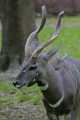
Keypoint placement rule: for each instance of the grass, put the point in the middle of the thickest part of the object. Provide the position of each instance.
(69, 40)
(9, 95)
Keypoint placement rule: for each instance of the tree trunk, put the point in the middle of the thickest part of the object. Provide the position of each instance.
(17, 23)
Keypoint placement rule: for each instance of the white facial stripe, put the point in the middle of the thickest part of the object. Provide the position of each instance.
(34, 80)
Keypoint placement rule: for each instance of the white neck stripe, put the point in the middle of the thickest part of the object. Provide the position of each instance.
(57, 104)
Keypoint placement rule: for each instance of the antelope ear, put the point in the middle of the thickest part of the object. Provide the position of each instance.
(43, 57)
(51, 53)
(47, 56)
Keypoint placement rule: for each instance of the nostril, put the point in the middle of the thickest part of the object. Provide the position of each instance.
(17, 84)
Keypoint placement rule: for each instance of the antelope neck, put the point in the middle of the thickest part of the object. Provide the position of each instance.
(58, 103)
(43, 86)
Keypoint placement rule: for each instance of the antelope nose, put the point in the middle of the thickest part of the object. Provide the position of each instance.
(16, 83)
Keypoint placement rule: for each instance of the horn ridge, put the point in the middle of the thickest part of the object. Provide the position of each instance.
(54, 36)
(58, 23)
(44, 14)
(34, 33)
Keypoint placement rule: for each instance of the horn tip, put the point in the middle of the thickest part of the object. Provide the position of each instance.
(61, 13)
(44, 11)
(43, 6)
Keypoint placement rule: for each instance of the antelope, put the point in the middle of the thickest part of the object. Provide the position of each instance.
(59, 84)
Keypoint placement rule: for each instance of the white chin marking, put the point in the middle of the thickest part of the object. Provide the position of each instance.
(34, 80)
(45, 87)
(18, 86)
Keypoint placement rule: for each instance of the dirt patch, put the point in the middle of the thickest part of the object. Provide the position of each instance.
(23, 111)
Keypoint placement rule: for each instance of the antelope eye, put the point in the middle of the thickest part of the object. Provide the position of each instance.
(24, 70)
(33, 67)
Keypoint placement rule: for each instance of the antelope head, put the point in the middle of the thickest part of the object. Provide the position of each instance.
(35, 68)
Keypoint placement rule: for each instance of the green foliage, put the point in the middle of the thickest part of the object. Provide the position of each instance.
(9, 95)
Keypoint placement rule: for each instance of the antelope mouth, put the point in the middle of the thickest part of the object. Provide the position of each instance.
(17, 85)
(28, 83)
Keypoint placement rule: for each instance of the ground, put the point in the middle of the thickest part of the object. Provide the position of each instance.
(23, 111)
(26, 104)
